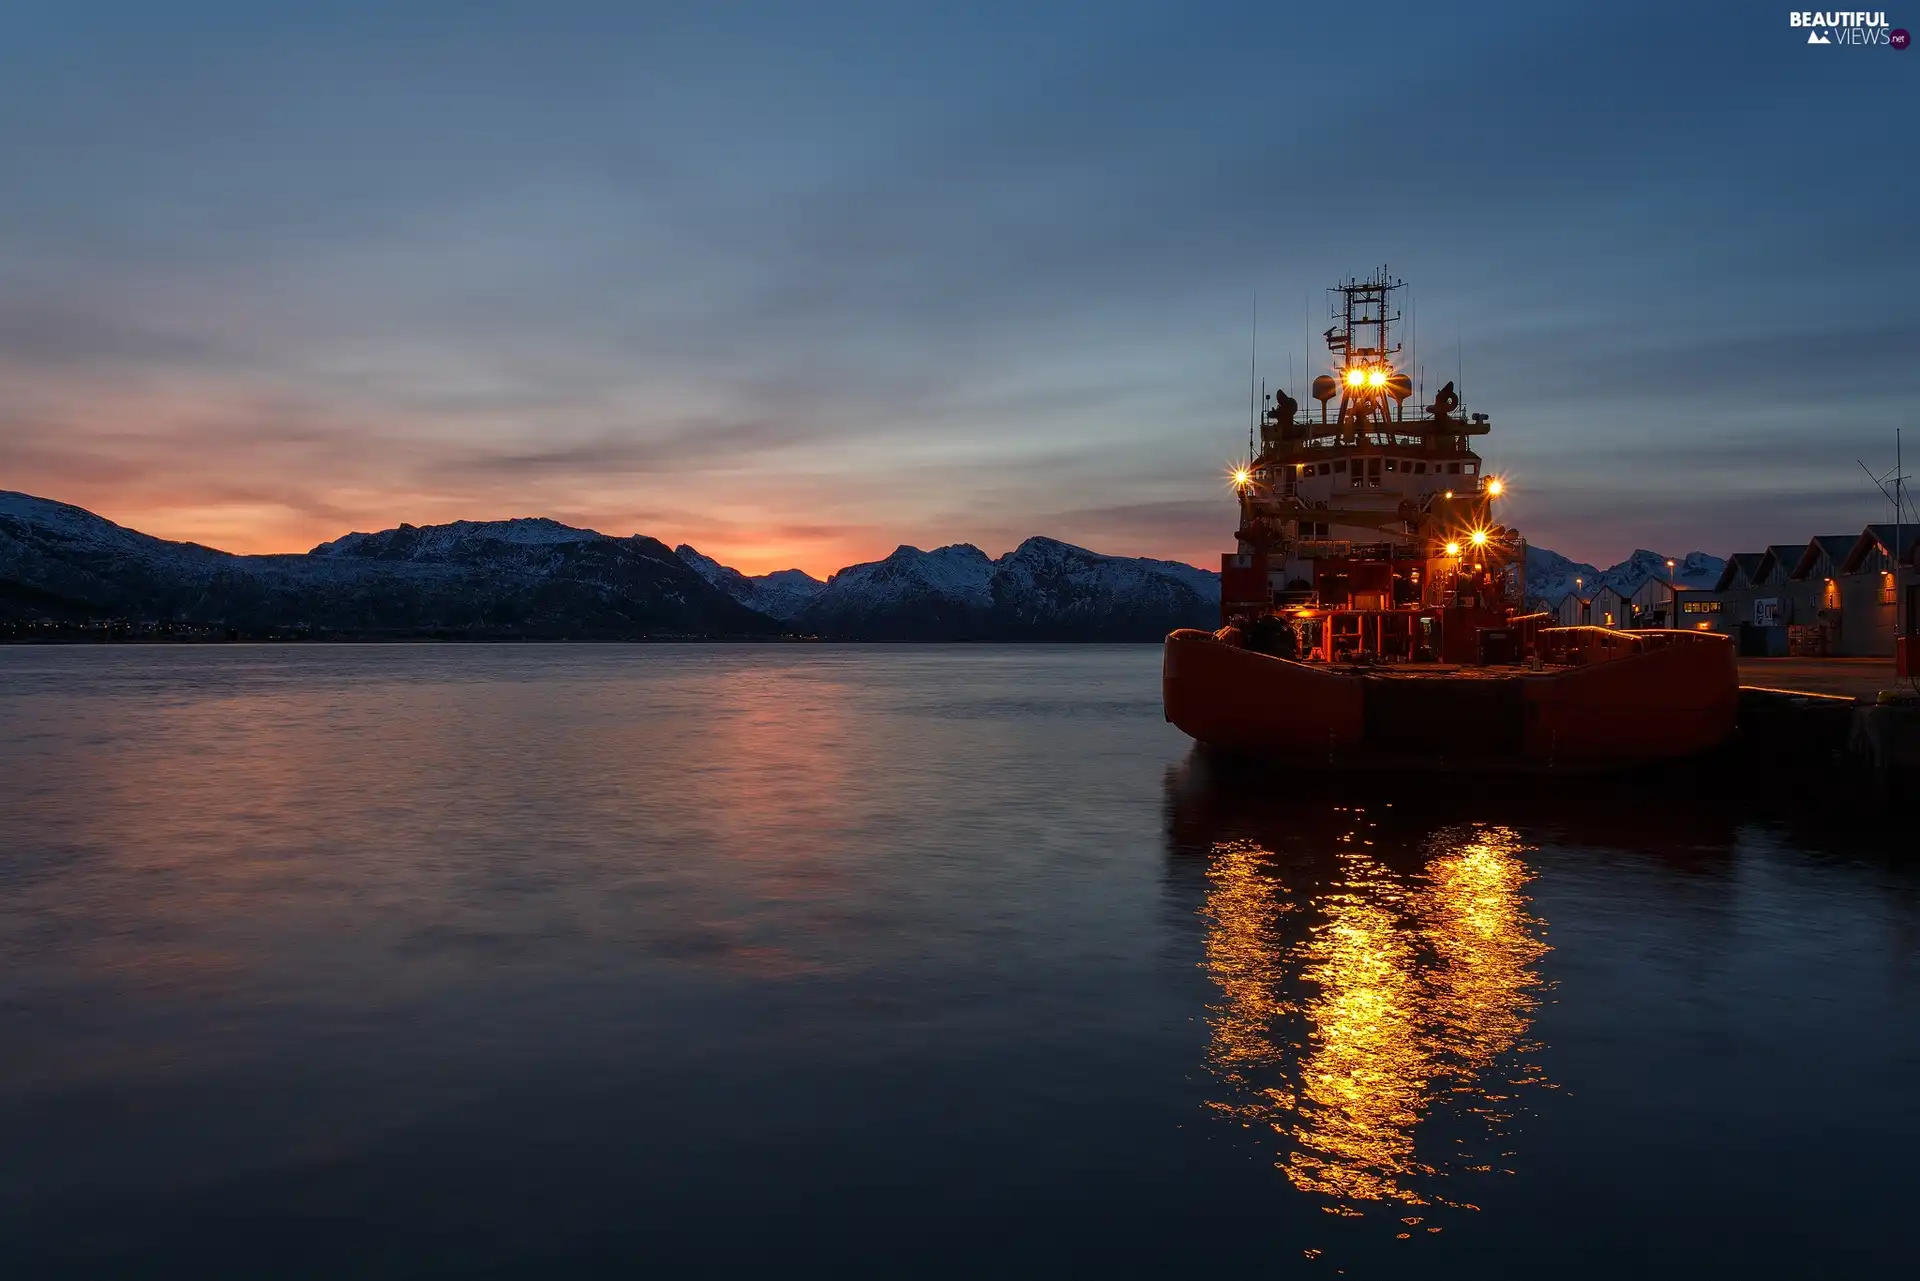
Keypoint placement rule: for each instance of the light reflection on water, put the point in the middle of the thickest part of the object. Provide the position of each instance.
(609, 960)
(1353, 1008)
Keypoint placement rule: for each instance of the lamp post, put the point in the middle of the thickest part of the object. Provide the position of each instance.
(1673, 599)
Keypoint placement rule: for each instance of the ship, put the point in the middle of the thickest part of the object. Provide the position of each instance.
(1373, 608)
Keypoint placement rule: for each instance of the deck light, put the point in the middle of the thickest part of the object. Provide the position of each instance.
(1242, 477)
(1479, 538)
(1378, 378)
(1453, 549)
(1355, 377)
(1496, 487)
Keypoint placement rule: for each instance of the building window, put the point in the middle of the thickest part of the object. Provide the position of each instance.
(1699, 606)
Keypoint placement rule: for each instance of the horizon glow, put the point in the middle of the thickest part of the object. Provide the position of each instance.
(799, 288)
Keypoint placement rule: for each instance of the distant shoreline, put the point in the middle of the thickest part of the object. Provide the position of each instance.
(426, 639)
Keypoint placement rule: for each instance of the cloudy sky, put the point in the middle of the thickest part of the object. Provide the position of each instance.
(800, 282)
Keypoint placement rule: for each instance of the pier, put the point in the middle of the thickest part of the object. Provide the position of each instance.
(1850, 716)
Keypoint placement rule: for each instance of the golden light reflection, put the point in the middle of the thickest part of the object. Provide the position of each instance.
(1363, 1079)
(1354, 1014)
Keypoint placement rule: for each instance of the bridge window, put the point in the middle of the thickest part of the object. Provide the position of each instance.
(1419, 469)
(1453, 469)
(1339, 464)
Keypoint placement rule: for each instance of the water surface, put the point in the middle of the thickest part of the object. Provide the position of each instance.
(548, 960)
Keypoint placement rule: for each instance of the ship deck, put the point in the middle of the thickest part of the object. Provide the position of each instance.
(1435, 671)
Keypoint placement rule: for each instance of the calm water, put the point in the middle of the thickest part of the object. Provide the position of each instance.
(391, 961)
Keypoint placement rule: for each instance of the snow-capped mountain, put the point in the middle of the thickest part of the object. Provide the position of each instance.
(463, 539)
(1550, 576)
(781, 594)
(518, 577)
(1042, 590)
(537, 577)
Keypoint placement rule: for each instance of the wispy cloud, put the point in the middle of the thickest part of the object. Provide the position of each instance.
(799, 286)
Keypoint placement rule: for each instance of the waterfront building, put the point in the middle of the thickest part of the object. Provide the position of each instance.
(1610, 608)
(1574, 610)
(1867, 592)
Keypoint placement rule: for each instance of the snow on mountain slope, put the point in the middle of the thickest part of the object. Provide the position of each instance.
(458, 539)
(63, 522)
(1550, 576)
(1043, 590)
(960, 573)
(521, 577)
(1038, 555)
(781, 594)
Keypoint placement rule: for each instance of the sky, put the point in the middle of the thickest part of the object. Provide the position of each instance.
(799, 283)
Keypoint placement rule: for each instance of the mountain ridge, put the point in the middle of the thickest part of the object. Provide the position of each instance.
(538, 576)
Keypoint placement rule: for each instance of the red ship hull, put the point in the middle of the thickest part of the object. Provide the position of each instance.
(1604, 699)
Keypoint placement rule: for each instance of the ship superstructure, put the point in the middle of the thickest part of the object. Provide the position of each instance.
(1372, 609)
(1370, 530)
